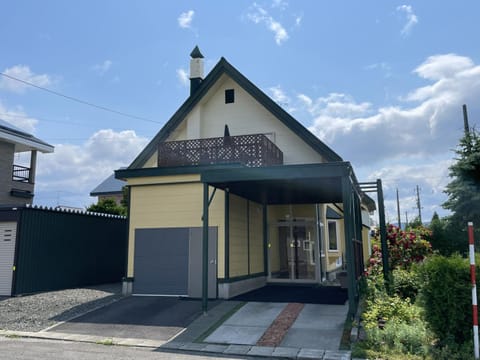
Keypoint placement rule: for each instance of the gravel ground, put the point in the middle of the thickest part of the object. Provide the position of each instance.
(39, 311)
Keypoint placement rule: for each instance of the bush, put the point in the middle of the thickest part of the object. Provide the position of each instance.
(400, 338)
(406, 283)
(391, 309)
(446, 298)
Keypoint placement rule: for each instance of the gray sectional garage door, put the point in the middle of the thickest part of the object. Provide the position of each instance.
(161, 261)
(168, 261)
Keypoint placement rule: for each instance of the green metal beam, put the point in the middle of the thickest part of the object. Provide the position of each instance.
(265, 239)
(227, 235)
(383, 234)
(348, 214)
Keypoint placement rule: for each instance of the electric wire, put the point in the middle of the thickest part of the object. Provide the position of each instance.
(71, 98)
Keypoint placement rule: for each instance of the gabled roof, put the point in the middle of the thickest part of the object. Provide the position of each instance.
(23, 141)
(109, 186)
(224, 67)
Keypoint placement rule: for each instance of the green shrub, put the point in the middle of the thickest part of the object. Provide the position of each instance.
(400, 338)
(446, 298)
(453, 351)
(391, 309)
(406, 284)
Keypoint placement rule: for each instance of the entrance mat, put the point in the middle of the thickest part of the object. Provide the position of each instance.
(331, 295)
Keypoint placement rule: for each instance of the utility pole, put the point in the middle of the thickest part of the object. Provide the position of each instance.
(398, 212)
(465, 120)
(419, 206)
(406, 220)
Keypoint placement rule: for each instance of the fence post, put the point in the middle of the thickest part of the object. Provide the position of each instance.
(474, 289)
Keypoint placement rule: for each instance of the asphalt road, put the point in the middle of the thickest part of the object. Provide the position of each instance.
(33, 349)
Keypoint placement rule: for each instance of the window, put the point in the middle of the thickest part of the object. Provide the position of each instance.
(229, 96)
(332, 235)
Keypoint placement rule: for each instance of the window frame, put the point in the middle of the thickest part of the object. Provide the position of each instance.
(335, 222)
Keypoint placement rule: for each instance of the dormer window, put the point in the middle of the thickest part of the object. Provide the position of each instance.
(229, 96)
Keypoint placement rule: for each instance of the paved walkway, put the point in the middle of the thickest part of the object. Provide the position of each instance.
(315, 334)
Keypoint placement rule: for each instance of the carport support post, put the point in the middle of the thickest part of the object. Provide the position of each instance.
(383, 234)
(205, 250)
(349, 234)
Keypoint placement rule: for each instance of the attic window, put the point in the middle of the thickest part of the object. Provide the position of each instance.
(229, 96)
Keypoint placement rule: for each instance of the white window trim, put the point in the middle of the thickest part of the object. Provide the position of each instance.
(337, 249)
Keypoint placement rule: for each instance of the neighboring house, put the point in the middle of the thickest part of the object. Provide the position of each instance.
(17, 182)
(110, 188)
(234, 193)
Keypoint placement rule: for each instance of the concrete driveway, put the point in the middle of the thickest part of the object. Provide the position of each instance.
(151, 318)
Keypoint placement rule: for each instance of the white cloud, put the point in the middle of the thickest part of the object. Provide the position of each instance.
(410, 141)
(24, 73)
(411, 18)
(72, 171)
(182, 76)
(260, 15)
(185, 19)
(18, 118)
(102, 68)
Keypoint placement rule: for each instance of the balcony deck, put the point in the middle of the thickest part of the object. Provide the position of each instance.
(250, 150)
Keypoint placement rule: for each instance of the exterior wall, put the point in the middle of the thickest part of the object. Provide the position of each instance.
(157, 202)
(238, 243)
(7, 152)
(244, 116)
(334, 258)
(255, 238)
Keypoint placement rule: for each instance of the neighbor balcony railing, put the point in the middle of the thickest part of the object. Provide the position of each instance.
(250, 150)
(21, 173)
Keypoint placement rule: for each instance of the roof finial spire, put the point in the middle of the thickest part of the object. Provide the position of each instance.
(196, 54)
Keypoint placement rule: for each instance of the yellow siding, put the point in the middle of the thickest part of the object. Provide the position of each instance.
(152, 162)
(238, 236)
(256, 238)
(174, 205)
(171, 179)
(275, 213)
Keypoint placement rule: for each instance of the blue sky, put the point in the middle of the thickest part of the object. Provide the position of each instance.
(381, 82)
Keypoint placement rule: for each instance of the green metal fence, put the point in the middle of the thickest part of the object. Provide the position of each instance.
(58, 249)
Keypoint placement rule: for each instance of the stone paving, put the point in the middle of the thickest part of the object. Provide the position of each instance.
(193, 338)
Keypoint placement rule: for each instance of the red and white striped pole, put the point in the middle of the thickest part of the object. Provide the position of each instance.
(474, 290)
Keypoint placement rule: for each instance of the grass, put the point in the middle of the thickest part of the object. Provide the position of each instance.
(105, 342)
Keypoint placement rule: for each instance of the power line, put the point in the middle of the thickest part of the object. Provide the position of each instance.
(100, 107)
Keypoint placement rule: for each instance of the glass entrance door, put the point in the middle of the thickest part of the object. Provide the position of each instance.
(296, 251)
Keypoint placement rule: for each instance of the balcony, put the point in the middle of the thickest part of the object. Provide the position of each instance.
(250, 150)
(21, 173)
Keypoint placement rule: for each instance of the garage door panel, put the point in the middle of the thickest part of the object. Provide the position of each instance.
(161, 261)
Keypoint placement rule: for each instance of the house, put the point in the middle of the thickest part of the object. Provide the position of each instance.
(110, 188)
(233, 193)
(17, 181)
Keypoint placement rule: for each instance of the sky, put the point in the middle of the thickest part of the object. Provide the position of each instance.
(381, 82)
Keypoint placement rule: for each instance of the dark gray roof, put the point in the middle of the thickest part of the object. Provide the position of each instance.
(109, 186)
(23, 140)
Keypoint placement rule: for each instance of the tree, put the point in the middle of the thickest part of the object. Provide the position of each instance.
(107, 206)
(464, 190)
